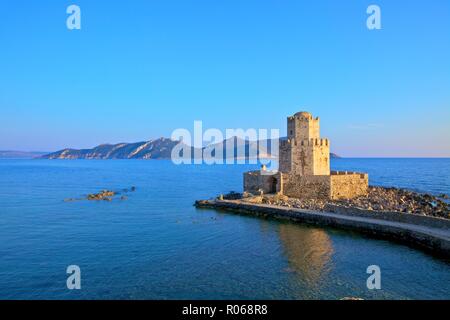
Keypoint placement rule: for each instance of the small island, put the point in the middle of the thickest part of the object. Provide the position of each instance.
(304, 189)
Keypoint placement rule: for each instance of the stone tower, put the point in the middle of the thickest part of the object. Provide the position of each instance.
(304, 153)
(304, 170)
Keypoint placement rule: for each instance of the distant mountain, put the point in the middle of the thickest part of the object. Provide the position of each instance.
(154, 149)
(20, 154)
(334, 156)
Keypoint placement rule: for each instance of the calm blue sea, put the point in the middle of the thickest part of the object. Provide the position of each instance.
(156, 245)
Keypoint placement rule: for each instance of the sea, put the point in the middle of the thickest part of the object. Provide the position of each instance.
(154, 244)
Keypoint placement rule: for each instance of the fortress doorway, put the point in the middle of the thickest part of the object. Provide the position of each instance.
(273, 185)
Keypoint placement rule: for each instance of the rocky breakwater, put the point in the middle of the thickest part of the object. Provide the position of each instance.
(379, 199)
(404, 216)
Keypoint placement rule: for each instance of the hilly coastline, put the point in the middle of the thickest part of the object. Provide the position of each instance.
(153, 149)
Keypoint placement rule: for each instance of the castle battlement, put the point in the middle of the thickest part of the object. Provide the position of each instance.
(304, 166)
(306, 142)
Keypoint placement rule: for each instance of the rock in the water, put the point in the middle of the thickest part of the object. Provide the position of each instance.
(102, 195)
(106, 195)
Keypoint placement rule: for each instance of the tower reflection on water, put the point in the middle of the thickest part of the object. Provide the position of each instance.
(308, 251)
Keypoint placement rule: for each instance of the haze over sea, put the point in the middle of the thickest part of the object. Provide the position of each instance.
(156, 245)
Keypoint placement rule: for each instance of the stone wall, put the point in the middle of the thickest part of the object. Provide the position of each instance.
(306, 187)
(305, 157)
(321, 156)
(254, 181)
(302, 158)
(410, 218)
(285, 156)
(347, 185)
(339, 185)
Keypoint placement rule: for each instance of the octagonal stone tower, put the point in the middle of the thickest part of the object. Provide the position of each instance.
(304, 153)
(304, 167)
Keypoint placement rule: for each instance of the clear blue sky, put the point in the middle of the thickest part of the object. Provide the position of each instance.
(137, 70)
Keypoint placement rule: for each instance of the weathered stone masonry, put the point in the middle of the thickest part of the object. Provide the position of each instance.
(304, 167)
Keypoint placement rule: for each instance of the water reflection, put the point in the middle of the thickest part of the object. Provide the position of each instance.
(308, 250)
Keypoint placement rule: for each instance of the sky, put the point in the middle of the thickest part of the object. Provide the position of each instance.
(138, 70)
